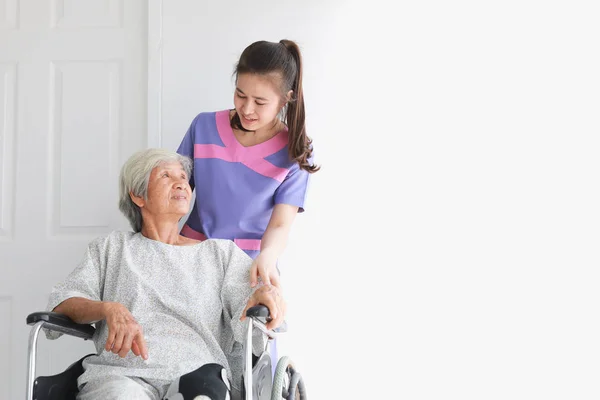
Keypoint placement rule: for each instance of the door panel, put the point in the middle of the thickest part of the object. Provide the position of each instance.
(72, 110)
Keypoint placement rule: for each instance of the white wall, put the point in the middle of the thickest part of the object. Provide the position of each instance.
(449, 247)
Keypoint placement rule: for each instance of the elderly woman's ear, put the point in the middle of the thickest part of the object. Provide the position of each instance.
(138, 201)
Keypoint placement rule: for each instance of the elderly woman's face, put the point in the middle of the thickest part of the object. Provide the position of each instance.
(168, 190)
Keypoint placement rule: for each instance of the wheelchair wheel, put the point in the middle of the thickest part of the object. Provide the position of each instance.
(288, 383)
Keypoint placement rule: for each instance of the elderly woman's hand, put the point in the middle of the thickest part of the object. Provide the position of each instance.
(124, 333)
(265, 268)
(269, 296)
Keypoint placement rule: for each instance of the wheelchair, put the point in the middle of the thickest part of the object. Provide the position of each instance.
(259, 381)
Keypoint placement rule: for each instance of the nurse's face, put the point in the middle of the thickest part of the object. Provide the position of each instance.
(258, 100)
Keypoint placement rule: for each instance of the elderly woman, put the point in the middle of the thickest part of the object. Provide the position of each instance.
(168, 309)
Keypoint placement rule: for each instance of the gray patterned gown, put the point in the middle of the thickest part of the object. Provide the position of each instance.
(188, 300)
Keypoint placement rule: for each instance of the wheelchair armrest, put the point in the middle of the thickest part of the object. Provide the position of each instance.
(61, 323)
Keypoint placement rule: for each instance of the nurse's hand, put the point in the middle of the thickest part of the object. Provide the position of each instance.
(265, 268)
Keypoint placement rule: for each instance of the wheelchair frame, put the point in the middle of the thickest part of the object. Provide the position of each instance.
(257, 317)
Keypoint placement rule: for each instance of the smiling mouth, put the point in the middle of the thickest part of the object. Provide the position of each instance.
(179, 197)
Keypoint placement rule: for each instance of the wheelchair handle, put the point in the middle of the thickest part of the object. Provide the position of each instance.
(258, 311)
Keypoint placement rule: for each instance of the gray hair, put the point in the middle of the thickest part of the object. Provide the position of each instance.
(135, 175)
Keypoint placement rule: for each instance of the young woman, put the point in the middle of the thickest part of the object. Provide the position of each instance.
(252, 163)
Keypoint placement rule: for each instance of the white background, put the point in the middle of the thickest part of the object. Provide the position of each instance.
(450, 243)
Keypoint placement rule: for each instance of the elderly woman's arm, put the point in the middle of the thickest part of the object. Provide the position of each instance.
(82, 310)
(124, 332)
(79, 297)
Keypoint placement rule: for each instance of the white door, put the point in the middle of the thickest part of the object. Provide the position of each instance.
(72, 109)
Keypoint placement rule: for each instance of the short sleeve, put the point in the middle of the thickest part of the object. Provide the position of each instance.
(294, 188)
(186, 148)
(85, 281)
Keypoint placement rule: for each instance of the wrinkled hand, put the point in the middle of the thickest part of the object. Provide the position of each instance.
(265, 267)
(269, 296)
(124, 333)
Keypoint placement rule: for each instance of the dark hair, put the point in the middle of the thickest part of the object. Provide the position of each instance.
(264, 58)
